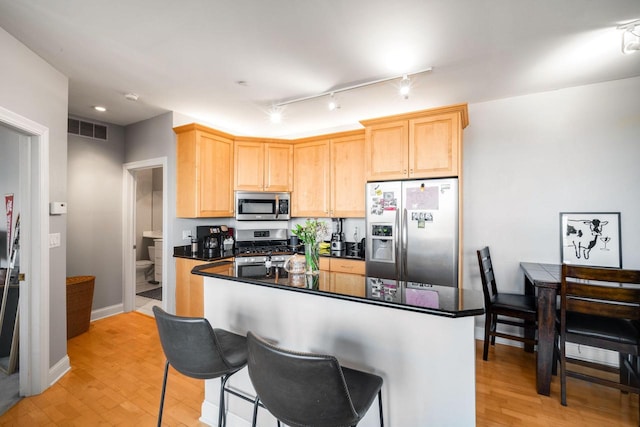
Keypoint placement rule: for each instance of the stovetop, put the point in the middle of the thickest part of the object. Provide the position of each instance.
(263, 248)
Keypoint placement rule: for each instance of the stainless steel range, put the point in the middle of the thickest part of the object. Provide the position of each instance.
(258, 250)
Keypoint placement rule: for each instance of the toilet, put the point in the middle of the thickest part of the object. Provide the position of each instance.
(144, 267)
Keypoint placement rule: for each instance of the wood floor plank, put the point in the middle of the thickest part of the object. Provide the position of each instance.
(116, 377)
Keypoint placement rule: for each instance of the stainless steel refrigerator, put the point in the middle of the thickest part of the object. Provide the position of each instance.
(412, 230)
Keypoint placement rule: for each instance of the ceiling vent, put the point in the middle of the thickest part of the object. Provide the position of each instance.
(87, 129)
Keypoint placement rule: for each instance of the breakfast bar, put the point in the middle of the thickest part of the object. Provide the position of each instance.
(418, 338)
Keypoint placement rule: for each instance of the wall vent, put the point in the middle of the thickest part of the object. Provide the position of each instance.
(87, 129)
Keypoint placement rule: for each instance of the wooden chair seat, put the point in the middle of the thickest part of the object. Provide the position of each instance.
(602, 328)
(514, 302)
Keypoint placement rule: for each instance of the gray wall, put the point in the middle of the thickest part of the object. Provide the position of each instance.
(94, 230)
(528, 158)
(33, 89)
(150, 139)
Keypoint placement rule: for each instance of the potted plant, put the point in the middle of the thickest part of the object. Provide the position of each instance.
(310, 234)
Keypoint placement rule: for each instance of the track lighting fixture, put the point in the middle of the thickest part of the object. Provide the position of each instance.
(333, 103)
(405, 87)
(630, 37)
(276, 110)
(275, 114)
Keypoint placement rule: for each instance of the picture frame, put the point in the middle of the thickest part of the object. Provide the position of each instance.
(591, 239)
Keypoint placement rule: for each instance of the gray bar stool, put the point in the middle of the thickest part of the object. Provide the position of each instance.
(197, 350)
(305, 389)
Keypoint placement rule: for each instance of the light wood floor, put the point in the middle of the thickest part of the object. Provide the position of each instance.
(116, 378)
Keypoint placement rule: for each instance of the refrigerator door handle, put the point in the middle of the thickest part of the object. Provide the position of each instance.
(396, 243)
(405, 239)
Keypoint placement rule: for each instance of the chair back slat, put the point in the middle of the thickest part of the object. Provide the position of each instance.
(601, 291)
(606, 309)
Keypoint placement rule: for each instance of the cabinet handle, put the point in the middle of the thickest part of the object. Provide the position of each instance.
(404, 171)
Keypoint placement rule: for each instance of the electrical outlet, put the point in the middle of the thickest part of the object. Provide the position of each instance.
(186, 234)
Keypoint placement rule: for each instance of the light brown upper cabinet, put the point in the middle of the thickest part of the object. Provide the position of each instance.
(204, 172)
(423, 144)
(347, 176)
(329, 176)
(263, 166)
(310, 195)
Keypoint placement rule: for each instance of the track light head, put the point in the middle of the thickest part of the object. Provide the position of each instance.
(405, 87)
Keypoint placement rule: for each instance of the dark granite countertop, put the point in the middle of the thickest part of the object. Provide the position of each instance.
(185, 252)
(431, 299)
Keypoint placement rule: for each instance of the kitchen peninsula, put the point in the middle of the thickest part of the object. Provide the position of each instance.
(419, 338)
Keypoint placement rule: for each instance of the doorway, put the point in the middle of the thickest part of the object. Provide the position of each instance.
(144, 200)
(149, 239)
(33, 305)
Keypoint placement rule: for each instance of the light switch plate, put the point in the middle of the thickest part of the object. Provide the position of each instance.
(54, 240)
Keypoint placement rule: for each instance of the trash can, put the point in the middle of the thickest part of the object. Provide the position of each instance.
(79, 303)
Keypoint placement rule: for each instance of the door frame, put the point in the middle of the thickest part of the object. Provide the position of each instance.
(129, 229)
(34, 251)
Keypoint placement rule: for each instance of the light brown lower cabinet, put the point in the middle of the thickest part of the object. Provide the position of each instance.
(189, 287)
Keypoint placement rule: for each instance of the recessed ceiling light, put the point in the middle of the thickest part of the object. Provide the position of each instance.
(99, 108)
(131, 96)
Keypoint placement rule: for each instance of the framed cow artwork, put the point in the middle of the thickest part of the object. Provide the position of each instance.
(590, 238)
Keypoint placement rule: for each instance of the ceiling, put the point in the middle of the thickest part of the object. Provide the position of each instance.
(189, 56)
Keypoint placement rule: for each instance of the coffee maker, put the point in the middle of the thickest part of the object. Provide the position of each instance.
(215, 241)
(338, 244)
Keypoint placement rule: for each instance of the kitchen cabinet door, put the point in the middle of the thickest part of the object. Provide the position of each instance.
(434, 142)
(278, 167)
(422, 144)
(249, 166)
(348, 177)
(310, 196)
(387, 151)
(349, 284)
(204, 172)
(189, 289)
(261, 166)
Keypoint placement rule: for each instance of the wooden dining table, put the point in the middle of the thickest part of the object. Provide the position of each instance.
(543, 281)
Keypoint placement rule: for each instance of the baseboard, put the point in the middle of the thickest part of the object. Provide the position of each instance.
(58, 370)
(101, 313)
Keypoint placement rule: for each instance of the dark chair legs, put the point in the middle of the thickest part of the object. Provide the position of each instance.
(164, 389)
(222, 416)
(380, 407)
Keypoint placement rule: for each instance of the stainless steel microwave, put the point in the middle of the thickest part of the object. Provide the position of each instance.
(253, 206)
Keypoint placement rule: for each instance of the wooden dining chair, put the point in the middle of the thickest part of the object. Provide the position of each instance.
(600, 307)
(504, 308)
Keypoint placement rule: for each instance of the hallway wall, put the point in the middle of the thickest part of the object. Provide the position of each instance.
(95, 213)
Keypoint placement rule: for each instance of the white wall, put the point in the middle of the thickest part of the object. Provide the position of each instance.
(94, 234)
(528, 158)
(33, 89)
